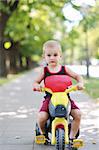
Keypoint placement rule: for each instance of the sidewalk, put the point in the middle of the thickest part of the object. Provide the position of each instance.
(18, 107)
(90, 121)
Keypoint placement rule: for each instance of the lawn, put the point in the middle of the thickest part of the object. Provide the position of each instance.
(8, 79)
(3, 80)
(92, 87)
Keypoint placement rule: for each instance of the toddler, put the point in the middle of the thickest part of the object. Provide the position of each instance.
(52, 54)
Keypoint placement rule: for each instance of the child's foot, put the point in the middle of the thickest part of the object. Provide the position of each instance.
(40, 139)
(77, 143)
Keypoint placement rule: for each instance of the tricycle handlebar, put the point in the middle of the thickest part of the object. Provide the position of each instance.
(73, 88)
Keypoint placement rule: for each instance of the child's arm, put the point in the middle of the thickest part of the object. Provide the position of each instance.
(77, 77)
(38, 79)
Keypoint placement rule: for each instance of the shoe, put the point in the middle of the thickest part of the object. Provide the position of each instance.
(77, 143)
(74, 144)
(40, 139)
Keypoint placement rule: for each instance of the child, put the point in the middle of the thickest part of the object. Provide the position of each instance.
(52, 54)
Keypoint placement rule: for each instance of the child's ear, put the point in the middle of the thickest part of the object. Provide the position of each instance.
(60, 56)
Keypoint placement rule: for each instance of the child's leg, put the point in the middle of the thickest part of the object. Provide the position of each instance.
(42, 119)
(43, 114)
(76, 114)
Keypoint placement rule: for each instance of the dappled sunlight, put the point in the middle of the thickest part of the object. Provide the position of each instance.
(22, 112)
(3, 114)
(90, 122)
(22, 109)
(21, 116)
(95, 113)
(89, 130)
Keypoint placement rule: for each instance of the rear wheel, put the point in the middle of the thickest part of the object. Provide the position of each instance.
(60, 139)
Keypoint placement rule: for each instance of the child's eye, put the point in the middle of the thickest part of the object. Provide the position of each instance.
(48, 55)
(55, 55)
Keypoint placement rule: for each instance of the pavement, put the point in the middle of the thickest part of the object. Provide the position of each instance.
(18, 109)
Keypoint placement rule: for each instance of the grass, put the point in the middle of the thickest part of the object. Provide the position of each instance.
(3, 81)
(10, 77)
(92, 87)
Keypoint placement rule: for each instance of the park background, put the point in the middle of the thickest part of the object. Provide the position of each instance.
(26, 24)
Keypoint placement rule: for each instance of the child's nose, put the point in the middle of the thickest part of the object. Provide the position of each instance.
(52, 57)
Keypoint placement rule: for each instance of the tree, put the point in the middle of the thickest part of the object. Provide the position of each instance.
(33, 26)
(6, 9)
(90, 20)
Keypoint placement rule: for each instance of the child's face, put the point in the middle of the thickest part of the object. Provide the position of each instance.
(52, 56)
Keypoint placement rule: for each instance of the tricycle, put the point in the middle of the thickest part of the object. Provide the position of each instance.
(57, 127)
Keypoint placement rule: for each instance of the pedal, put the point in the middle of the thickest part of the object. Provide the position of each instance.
(40, 139)
(77, 143)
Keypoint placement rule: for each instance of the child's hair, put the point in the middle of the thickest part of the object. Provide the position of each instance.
(52, 44)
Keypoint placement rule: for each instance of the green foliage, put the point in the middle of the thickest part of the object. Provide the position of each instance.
(92, 87)
(34, 22)
(4, 8)
(7, 6)
(31, 26)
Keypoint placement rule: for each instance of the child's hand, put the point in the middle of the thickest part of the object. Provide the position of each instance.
(37, 87)
(80, 86)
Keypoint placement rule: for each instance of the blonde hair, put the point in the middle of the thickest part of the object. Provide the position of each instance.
(52, 44)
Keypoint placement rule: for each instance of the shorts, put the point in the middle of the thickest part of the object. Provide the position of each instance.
(45, 105)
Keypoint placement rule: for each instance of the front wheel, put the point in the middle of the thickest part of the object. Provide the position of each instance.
(60, 139)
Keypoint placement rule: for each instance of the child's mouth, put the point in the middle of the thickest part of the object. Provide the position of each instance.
(52, 61)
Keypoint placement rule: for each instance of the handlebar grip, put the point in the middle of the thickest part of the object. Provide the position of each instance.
(34, 89)
(41, 90)
(73, 88)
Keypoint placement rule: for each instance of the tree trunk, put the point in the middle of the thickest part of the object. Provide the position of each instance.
(20, 62)
(27, 63)
(3, 71)
(3, 20)
(13, 59)
(13, 68)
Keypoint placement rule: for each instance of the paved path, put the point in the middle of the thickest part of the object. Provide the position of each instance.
(18, 108)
